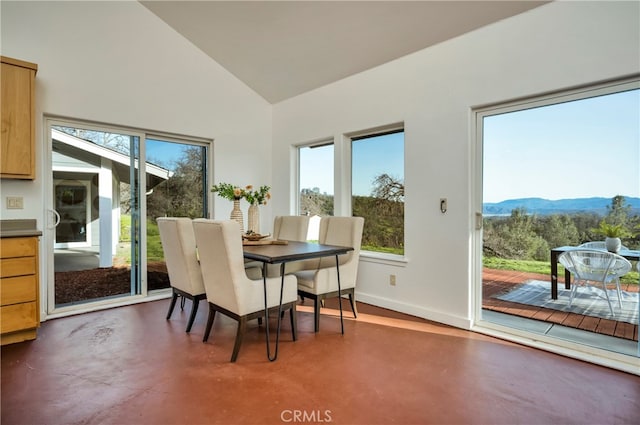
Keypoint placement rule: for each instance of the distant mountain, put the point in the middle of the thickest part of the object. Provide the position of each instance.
(561, 206)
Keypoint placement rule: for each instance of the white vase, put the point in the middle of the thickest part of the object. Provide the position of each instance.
(253, 219)
(236, 214)
(613, 244)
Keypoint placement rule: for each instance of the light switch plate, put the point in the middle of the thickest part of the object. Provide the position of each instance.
(443, 205)
(15, 202)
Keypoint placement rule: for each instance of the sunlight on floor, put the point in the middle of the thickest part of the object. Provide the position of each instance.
(434, 328)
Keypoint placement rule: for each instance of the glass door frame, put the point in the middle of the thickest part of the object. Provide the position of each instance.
(138, 225)
(591, 354)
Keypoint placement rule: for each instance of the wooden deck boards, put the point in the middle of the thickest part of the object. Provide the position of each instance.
(495, 282)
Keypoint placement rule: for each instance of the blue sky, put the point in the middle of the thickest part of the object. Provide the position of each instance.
(578, 149)
(316, 168)
(370, 157)
(163, 153)
(374, 156)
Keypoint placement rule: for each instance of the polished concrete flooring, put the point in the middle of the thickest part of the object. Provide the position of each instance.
(129, 365)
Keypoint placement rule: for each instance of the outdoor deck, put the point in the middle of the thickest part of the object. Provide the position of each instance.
(500, 281)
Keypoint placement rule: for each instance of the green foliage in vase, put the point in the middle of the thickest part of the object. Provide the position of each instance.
(228, 191)
(257, 197)
(612, 230)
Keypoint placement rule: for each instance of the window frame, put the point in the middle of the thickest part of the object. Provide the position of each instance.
(297, 169)
(349, 138)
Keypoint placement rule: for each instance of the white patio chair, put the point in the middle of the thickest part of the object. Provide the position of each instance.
(595, 268)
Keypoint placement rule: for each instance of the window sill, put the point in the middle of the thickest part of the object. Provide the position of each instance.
(383, 258)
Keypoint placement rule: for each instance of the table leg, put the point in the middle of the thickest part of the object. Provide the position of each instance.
(266, 312)
(339, 295)
(554, 275)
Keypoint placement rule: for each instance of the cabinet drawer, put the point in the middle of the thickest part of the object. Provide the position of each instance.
(14, 290)
(17, 317)
(18, 267)
(18, 247)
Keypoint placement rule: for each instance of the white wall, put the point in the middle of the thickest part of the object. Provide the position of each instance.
(117, 63)
(556, 46)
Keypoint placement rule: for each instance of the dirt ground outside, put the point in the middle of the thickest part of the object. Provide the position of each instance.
(82, 285)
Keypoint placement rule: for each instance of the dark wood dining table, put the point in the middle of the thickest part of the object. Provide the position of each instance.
(283, 253)
(629, 254)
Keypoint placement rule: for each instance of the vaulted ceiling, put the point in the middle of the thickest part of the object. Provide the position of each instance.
(284, 48)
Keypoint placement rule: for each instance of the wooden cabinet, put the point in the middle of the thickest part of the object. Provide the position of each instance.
(19, 299)
(17, 150)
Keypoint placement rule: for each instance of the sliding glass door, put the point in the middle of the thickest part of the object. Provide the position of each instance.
(108, 187)
(554, 169)
(183, 194)
(96, 210)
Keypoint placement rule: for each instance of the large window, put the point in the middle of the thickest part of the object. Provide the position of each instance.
(377, 189)
(315, 180)
(375, 192)
(554, 169)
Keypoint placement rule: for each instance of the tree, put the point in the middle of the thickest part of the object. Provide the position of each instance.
(312, 202)
(383, 212)
(558, 230)
(116, 142)
(516, 238)
(618, 211)
(184, 193)
(388, 188)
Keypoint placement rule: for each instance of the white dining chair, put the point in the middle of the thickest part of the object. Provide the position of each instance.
(291, 227)
(181, 258)
(229, 289)
(288, 228)
(318, 279)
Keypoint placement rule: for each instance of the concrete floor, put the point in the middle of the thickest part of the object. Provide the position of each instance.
(129, 365)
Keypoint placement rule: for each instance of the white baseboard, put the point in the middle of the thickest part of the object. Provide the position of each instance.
(414, 310)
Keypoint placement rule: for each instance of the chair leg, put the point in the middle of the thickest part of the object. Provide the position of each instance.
(353, 304)
(172, 305)
(294, 326)
(242, 324)
(574, 288)
(316, 314)
(182, 301)
(212, 315)
(619, 293)
(194, 309)
(606, 294)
